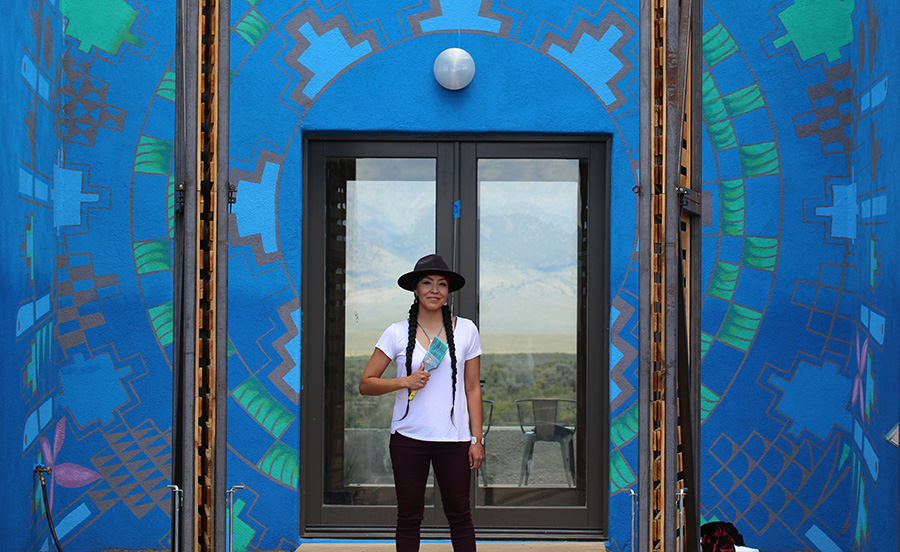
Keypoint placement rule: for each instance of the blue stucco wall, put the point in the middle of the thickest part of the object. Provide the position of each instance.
(85, 260)
(800, 268)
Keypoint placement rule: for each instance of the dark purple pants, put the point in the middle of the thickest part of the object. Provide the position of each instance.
(411, 459)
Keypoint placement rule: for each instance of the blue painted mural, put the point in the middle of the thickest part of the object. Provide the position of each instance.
(800, 333)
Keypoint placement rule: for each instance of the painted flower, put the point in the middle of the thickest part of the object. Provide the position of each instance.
(857, 394)
(66, 474)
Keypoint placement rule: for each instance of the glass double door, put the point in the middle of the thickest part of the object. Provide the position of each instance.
(525, 222)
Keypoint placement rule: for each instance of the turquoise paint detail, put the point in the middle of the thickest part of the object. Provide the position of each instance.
(873, 322)
(867, 451)
(92, 388)
(243, 533)
(68, 197)
(72, 520)
(615, 355)
(460, 15)
(842, 211)
(292, 347)
(35, 79)
(873, 97)
(32, 185)
(257, 207)
(825, 387)
(328, 55)
(821, 541)
(31, 312)
(593, 61)
(36, 422)
(105, 24)
(818, 27)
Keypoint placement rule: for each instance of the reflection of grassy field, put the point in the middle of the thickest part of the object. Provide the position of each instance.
(363, 343)
(508, 376)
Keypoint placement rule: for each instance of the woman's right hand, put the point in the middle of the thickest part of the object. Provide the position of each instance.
(417, 379)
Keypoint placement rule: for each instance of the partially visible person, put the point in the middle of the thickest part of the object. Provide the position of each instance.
(722, 536)
(442, 426)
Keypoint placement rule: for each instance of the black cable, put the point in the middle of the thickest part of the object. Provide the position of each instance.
(40, 470)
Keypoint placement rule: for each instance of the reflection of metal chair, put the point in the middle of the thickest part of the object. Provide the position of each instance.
(538, 419)
(487, 412)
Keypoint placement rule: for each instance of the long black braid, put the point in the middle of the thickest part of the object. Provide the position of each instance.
(448, 329)
(413, 326)
(411, 345)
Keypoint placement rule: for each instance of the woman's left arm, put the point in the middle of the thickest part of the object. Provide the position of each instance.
(473, 400)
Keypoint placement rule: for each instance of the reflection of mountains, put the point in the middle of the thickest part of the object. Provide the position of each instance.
(525, 240)
(384, 240)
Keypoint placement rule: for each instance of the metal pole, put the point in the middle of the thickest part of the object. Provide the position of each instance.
(176, 517)
(680, 495)
(230, 494)
(634, 498)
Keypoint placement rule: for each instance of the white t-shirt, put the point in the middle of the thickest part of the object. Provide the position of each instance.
(429, 411)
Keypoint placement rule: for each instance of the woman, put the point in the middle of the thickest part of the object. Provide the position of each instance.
(441, 425)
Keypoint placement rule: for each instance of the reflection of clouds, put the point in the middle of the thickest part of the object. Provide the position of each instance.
(528, 234)
(375, 309)
(529, 238)
(390, 224)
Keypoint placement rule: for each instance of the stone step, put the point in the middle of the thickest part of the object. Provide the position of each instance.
(505, 546)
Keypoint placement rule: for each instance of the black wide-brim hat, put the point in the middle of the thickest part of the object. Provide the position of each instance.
(431, 264)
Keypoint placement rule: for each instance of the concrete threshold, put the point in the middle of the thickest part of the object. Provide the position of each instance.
(504, 546)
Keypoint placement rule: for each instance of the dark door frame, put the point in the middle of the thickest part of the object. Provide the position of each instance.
(591, 520)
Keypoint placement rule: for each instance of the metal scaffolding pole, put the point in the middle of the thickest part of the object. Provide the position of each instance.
(200, 275)
(669, 226)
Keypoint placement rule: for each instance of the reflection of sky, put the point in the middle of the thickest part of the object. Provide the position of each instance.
(528, 240)
(389, 226)
(528, 236)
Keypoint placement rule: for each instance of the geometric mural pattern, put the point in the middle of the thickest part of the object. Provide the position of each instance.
(79, 296)
(136, 469)
(85, 104)
(798, 266)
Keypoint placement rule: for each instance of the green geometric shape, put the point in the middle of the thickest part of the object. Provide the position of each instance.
(170, 206)
(874, 263)
(162, 318)
(760, 253)
(624, 429)
(759, 159)
(166, 88)
(714, 109)
(105, 24)
(744, 100)
(263, 407)
(254, 3)
(817, 27)
(281, 463)
(722, 135)
(717, 45)
(733, 210)
(708, 402)
(231, 348)
(154, 156)
(621, 476)
(252, 27)
(724, 280)
(706, 342)
(845, 453)
(152, 256)
(739, 327)
(243, 533)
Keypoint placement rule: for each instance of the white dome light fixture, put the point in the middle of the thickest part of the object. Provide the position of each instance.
(454, 68)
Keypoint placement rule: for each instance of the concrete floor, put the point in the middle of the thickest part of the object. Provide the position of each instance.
(445, 547)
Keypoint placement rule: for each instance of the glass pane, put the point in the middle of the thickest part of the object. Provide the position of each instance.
(529, 238)
(388, 217)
